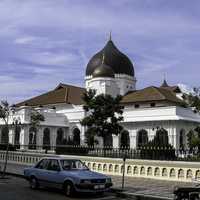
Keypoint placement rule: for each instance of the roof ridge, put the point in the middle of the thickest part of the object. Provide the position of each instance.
(157, 89)
(67, 85)
(169, 92)
(66, 94)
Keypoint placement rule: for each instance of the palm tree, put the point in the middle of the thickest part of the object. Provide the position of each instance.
(5, 113)
(35, 119)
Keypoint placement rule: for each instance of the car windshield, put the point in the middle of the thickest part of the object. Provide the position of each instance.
(73, 164)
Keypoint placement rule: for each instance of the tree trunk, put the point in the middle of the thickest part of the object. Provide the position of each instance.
(6, 158)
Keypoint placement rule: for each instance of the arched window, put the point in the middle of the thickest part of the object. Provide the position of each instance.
(46, 139)
(32, 138)
(60, 136)
(108, 141)
(161, 137)
(4, 135)
(76, 136)
(124, 139)
(17, 136)
(142, 137)
(182, 139)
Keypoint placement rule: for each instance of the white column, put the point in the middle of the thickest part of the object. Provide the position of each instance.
(11, 133)
(82, 135)
(53, 136)
(133, 138)
(115, 141)
(39, 137)
(24, 137)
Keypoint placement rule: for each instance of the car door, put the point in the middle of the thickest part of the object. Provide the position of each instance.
(54, 174)
(41, 171)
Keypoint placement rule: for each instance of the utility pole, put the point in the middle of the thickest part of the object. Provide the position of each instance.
(123, 173)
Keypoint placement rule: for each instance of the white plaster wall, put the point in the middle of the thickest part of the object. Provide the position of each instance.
(124, 82)
(104, 86)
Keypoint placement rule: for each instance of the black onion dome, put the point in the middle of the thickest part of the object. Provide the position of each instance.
(103, 71)
(119, 62)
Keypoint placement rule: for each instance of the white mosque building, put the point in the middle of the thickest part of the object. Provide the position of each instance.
(109, 72)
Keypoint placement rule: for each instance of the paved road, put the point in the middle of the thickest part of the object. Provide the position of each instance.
(18, 189)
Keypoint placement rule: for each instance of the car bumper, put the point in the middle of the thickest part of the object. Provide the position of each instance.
(93, 188)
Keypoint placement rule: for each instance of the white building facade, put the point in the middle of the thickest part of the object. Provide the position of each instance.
(108, 72)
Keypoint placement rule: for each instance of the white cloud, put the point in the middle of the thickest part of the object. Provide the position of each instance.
(25, 40)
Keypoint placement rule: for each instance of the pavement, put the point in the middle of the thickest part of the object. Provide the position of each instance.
(134, 187)
(15, 188)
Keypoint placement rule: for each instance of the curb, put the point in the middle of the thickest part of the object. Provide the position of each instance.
(134, 196)
(14, 174)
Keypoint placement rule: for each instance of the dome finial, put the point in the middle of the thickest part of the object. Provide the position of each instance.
(110, 36)
(164, 84)
(103, 58)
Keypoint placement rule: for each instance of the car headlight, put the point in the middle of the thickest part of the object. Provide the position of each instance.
(108, 180)
(85, 181)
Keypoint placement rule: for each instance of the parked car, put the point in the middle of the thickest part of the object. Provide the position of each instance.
(187, 193)
(68, 174)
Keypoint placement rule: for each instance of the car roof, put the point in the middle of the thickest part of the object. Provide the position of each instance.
(58, 158)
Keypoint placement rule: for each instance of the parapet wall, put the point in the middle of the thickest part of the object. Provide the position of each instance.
(162, 170)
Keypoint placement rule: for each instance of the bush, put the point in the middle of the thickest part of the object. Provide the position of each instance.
(11, 147)
(68, 147)
(150, 151)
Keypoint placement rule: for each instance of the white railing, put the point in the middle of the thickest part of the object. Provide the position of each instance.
(164, 170)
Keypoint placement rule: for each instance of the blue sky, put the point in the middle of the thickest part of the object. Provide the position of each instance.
(44, 42)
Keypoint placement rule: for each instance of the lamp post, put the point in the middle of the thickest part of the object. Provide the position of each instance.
(123, 172)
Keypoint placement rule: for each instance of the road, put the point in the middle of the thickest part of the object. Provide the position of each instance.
(15, 188)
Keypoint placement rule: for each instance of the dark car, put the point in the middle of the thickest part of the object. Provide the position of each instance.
(187, 193)
(68, 174)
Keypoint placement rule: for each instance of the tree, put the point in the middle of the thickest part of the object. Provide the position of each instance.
(193, 138)
(193, 99)
(5, 113)
(35, 119)
(103, 114)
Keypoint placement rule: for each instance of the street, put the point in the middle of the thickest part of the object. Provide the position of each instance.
(15, 188)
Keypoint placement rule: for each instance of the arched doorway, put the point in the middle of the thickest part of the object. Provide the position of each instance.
(76, 136)
(142, 138)
(17, 136)
(32, 138)
(124, 139)
(4, 135)
(46, 139)
(182, 139)
(60, 136)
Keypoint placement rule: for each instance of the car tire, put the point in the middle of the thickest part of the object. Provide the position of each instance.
(33, 183)
(69, 189)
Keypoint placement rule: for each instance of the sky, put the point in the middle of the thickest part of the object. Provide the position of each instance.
(45, 42)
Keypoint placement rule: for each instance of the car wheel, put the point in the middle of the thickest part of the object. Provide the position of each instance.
(33, 183)
(68, 189)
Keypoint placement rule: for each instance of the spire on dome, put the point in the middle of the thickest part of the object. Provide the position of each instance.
(103, 59)
(110, 36)
(164, 84)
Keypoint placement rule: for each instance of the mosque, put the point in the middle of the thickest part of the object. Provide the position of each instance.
(109, 71)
